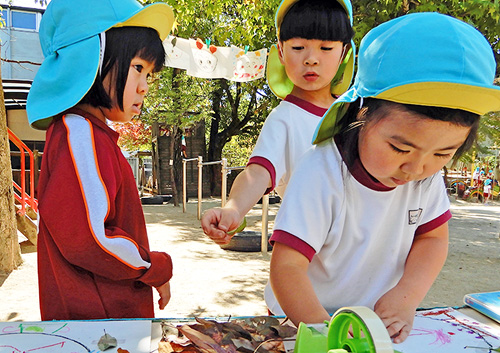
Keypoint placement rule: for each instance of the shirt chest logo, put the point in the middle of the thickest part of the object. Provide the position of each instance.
(414, 216)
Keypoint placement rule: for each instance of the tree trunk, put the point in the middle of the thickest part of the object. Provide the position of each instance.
(176, 170)
(214, 141)
(175, 152)
(10, 253)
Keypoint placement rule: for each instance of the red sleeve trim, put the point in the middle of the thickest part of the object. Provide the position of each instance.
(292, 241)
(264, 162)
(436, 222)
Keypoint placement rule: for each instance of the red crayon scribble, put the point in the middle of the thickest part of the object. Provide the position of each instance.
(455, 321)
(10, 329)
(11, 347)
(61, 344)
(436, 313)
(441, 337)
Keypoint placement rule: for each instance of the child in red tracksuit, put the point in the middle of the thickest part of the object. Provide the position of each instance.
(94, 260)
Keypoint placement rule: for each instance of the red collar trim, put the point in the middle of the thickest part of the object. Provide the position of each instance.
(307, 106)
(359, 172)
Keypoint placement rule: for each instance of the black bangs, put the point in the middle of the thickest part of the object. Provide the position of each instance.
(322, 20)
(122, 45)
(153, 50)
(377, 109)
(125, 43)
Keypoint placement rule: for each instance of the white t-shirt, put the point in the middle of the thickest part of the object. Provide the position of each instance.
(355, 231)
(285, 136)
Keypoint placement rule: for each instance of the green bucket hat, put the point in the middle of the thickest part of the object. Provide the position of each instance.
(70, 41)
(425, 59)
(278, 80)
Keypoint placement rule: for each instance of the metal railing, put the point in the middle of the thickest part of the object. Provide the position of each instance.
(22, 196)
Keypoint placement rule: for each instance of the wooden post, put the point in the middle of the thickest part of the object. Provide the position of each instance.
(224, 182)
(184, 187)
(200, 184)
(265, 207)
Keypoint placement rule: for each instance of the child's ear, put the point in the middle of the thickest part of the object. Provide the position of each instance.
(280, 52)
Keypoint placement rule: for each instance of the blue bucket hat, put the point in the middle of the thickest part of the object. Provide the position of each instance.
(70, 41)
(425, 59)
(278, 80)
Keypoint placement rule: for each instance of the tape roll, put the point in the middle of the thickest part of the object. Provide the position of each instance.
(358, 329)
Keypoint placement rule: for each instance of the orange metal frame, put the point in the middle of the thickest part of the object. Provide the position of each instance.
(23, 197)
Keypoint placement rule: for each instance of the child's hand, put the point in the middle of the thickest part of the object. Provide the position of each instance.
(397, 313)
(217, 222)
(164, 291)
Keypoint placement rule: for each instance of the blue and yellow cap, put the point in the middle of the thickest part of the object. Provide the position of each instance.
(422, 59)
(278, 80)
(69, 37)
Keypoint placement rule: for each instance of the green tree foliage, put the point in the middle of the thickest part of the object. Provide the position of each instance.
(229, 108)
(238, 109)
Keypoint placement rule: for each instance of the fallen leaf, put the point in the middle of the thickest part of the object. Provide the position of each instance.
(203, 342)
(106, 342)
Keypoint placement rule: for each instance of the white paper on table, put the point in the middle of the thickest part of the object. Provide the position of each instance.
(74, 336)
(448, 331)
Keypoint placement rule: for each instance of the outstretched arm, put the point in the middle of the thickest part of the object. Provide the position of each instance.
(427, 256)
(292, 286)
(247, 189)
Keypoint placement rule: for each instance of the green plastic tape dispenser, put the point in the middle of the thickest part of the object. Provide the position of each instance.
(352, 329)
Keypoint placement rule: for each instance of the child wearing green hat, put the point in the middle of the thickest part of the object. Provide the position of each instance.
(364, 219)
(94, 260)
(311, 64)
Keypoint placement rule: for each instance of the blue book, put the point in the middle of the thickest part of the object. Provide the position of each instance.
(486, 303)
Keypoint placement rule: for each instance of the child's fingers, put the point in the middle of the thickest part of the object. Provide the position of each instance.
(162, 303)
(164, 292)
(398, 331)
(219, 237)
(209, 221)
(403, 334)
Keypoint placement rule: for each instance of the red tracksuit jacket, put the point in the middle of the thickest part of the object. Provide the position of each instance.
(94, 260)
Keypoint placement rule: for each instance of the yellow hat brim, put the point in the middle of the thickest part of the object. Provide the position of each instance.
(475, 99)
(157, 16)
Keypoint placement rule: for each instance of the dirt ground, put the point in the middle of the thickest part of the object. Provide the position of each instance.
(209, 281)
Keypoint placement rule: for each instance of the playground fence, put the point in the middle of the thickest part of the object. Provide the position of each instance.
(225, 171)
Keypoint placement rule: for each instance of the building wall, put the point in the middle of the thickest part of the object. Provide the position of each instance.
(17, 121)
(20, 44)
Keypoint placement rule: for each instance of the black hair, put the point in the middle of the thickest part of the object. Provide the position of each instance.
(376, 109)
(122, 45)
(316, 19)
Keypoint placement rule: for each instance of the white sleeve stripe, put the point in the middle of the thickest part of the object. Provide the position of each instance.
(81, 144)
